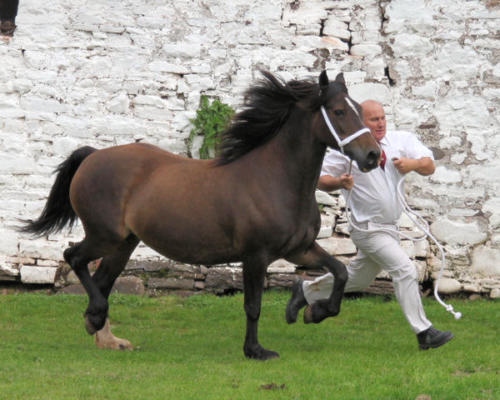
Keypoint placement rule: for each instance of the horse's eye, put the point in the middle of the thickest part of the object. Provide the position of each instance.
(339, 113)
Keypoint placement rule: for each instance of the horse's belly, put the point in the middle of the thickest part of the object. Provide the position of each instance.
(195, 255)
(189, 243)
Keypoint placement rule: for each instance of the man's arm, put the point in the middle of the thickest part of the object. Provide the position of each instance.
(423, 166)
(330, 183)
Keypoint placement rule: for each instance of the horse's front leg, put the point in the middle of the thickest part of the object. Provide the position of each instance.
(330, 307)
(254, 271)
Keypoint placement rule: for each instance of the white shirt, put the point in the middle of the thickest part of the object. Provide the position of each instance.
(374, 197)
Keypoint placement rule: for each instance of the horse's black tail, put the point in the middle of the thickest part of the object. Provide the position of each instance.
(58, 212)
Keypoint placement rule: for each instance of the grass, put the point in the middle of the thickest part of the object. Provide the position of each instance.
(192, 349)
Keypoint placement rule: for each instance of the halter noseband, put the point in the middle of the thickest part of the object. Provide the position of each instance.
(348, 139)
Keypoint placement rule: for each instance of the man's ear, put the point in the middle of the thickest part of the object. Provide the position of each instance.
(323, 82)
(340, 78)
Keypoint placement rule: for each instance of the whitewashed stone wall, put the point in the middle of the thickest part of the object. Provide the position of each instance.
(112, 72)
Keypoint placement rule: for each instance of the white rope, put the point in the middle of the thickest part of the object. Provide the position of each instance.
(422, 225)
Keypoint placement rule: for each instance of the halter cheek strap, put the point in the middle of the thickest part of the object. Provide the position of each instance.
(348, 139)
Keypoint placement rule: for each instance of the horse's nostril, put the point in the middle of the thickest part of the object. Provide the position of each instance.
(373, 157)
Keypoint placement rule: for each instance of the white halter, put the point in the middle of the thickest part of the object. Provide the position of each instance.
(348, 139)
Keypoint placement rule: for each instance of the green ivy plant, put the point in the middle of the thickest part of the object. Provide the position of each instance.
(211, 120)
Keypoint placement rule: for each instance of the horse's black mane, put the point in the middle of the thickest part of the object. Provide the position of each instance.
(267, 107)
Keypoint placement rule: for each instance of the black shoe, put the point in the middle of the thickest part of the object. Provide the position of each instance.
(7, 27)
(296, 302)
(432, 338)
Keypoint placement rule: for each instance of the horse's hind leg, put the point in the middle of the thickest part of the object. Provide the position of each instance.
(78, 258)
(113, 264)
(109, 269)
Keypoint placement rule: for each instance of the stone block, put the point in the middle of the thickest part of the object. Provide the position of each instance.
(366, 50)
(7, 272)
(457, 232)
(281, 266)
(448, 286)
(342, 228)
(220, 279)
(325, 198)
(334, 27)
(38, 275)
(380, 287)
(421, 248)
(307, 13)
(129, 285)
(338, 246)
(374, 91)
(47, 263)
(170, 283)
(446, 175)
(281, 280)
(76, 288)
(409, 247)
(325, 232)
(414, 45)
(486, 261)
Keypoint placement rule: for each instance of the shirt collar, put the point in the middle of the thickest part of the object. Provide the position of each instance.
(384, 140)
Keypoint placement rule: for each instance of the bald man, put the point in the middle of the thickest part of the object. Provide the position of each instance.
(374, 203)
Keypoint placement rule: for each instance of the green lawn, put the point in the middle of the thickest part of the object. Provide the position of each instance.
(192, 349)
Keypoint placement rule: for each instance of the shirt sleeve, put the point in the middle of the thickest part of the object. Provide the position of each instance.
(413, 148)
(334, 164)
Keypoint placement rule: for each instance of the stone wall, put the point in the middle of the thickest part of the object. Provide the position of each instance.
(105, 73)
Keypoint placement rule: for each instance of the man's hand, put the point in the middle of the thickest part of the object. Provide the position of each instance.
(423, 166)
(346, 181)
(329, 183)
(404, 165)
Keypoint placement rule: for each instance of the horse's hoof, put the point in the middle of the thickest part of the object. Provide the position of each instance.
(314, 314)
(261, 354)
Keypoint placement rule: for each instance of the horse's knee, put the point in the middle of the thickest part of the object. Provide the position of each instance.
(341, 276)
(74, 258)
(338, 270)
(252, 311)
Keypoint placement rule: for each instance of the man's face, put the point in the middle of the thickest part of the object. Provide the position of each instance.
(374, 119)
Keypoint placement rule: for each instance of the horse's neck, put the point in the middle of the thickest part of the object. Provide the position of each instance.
(299, 154)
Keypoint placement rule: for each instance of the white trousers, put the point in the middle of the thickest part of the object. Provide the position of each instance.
(377, 251)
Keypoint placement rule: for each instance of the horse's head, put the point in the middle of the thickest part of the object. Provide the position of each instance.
(341, 124)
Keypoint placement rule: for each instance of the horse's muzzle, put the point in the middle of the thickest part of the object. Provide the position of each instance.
(372, 159)
(367, 161)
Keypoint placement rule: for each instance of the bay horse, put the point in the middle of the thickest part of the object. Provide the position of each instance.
(254, 203)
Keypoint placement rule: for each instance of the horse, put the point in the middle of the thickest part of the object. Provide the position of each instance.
(254, 203)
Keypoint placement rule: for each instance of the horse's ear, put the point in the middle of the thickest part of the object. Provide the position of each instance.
(323, 81)
(340, 78)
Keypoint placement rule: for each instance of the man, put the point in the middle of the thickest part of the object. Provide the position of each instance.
(374, 204)
(8, 13)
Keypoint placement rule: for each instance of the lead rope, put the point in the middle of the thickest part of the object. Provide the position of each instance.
(422, 225)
